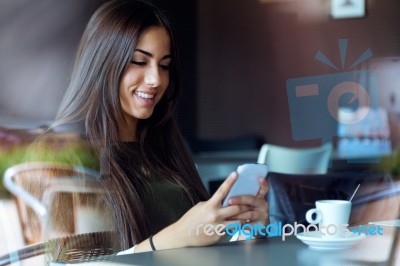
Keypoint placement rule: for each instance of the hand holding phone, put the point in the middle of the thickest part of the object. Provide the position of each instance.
(247, 182)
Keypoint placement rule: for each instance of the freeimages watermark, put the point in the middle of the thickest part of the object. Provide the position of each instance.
(278, 229)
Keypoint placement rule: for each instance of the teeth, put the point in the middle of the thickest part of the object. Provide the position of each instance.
(144, 95)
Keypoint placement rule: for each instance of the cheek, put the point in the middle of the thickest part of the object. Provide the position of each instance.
(165, 84)
(162, 94)
(124, 98)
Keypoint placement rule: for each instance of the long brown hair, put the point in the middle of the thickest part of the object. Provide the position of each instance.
(92, 102)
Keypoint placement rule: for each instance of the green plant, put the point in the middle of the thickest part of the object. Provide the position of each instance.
(69, 153)
(389, 164)
(395, 164)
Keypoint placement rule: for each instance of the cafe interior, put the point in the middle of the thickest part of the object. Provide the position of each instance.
(309, 87)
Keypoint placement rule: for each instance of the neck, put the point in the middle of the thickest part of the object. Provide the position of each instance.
(127, 131)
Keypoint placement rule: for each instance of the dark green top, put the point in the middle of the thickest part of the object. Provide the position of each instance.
(165, 201)
(166, 205)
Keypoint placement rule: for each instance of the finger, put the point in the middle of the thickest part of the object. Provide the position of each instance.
(233, 222)
(264, 187)
(243, 200)
(247, 216)
(248, 200)
(258, 205)
(230, 211)
(223, 190)
(251, 217)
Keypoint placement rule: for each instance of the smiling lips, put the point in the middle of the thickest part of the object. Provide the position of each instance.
(145, 95)
(146, 98)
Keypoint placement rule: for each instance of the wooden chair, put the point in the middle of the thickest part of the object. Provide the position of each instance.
(40, 187)
(71, 249)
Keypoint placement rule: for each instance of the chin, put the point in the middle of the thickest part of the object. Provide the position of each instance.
(144, 116)
(141, 114)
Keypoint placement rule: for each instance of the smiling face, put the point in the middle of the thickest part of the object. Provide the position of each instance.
(146, 79)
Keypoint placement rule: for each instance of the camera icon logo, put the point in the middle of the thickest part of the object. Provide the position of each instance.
(318, 104)
(360, 97)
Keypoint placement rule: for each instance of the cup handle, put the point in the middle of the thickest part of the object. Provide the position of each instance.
(309, 215)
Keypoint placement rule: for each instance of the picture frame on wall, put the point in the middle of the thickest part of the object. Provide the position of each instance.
(345, 9)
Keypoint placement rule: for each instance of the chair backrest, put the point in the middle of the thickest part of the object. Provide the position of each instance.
(28, 183)
(71, 249)
(296, 160)
(82, 247)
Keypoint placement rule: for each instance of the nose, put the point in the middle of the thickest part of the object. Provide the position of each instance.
(152, 77)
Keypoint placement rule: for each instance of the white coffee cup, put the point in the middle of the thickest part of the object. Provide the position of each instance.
(332, 216)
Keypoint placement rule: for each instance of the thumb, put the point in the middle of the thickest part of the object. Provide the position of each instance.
(223, 190)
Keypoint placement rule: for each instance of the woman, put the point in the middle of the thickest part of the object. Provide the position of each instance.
(123, 93)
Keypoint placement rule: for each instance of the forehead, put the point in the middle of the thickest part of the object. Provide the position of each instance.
(155, 39)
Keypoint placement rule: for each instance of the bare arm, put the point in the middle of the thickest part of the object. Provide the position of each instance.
(183, 232)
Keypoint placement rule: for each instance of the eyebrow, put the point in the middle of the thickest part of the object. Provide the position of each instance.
(150, 55)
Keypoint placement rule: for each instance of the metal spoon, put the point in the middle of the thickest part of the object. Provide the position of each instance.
(354, 192)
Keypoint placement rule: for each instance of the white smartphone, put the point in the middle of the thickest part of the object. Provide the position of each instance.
(247, 182)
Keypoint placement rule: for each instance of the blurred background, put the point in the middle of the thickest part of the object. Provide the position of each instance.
(236, 57)
(236, 60)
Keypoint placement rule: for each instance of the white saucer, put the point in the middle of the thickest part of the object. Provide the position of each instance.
(315, 241)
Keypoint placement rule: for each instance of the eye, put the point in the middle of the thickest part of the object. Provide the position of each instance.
(165, 64)
(138, 63)
(164, 67)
